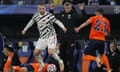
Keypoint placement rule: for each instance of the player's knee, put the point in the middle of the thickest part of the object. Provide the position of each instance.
(36, 52)
(50, 51)
(24, 69)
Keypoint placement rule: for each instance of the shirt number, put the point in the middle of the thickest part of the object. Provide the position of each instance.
(98, 24)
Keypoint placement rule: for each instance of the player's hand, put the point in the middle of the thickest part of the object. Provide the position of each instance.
(109, 71)
(65, 30)
(76, 29)
(23, 32)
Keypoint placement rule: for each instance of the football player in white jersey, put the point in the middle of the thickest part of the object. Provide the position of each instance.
(47, 32)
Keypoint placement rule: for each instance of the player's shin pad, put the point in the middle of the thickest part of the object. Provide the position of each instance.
(55, 56)
(40, 60)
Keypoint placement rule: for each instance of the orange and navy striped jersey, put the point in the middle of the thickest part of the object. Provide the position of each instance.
(99, 27)
(7, 64)
(12, 60)
(36, 67)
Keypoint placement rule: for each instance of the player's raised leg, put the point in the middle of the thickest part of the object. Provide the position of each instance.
(51, 50)
(40, 46)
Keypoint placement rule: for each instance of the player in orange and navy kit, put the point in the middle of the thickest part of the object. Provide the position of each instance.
(100, 28)
(12, 58)
(32, 67)
(13, 63)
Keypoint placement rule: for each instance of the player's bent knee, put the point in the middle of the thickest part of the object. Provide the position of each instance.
(50, 51)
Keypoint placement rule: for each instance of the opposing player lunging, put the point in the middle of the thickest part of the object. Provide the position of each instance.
(100, 27)
(47, 37)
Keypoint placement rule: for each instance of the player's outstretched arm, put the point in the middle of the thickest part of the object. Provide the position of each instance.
(30, 23)
(77, 29)
(60, 24)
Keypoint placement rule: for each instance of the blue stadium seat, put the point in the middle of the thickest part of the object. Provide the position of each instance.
(25, 50)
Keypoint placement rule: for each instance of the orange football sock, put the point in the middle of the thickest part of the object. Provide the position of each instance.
(85, 62)
(105, 61)
(89, 57)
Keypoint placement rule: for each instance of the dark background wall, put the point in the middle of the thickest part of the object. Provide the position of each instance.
(11, 26)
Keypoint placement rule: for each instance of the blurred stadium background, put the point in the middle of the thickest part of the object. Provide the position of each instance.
(14, 15)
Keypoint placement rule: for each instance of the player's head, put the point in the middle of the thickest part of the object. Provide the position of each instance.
(51, 68)
(42, 8)
(99, 11)
(7, 50)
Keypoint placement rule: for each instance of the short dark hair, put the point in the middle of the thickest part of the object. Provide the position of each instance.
(9, 48)
(114, 42)
(67, 4)
(100, 10)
